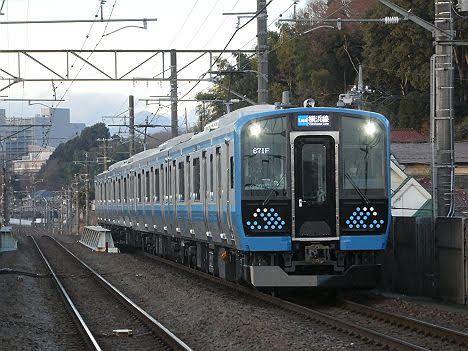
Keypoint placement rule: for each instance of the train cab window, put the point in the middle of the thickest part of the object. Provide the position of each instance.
(181, 182)
(147, 186)
(264, 157)
(196, 179)
(231, 171)
(156, 185)
(363, 157)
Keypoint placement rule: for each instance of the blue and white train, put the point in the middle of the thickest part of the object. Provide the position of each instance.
(277, 198)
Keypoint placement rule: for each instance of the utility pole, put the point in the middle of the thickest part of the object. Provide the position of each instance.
(186, 122)
(105, 154)
(174, 118)
(69, 211)
(77, 204)
(262, 47)
(131, 130)
(87, 191)
(442, 126)
(442, 86)
(6, 205)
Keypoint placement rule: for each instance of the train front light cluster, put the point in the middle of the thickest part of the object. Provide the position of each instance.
(364, 218)
(266, 219)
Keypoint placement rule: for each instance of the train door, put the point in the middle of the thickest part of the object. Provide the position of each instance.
(207, 194)
(182, 200)
(197, 211)
(314, 186)
(157, 214)
(164, 196)
(220, 193)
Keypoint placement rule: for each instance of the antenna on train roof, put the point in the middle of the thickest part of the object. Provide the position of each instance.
(285, 101)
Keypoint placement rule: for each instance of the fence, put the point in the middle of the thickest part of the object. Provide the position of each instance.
(427, 259)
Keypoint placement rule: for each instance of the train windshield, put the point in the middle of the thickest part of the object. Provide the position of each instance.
(264, 161)
(363, 158)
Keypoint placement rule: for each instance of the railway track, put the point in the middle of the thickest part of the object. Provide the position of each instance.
(375, 327)
(431, 335)
(105, 317)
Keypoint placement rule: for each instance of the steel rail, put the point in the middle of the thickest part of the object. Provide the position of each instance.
(160, 330)
(443, 333)
(88, 337)
(362, 333)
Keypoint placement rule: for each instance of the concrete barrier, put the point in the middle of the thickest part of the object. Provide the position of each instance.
(7, 241)
(98, 239)
(427, 258)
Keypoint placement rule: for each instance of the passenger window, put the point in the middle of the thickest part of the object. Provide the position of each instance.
(156, 184)
(165, 182)
(211, 173)
(139, 188)
(181, 182)
(196, 179)
(218, 171)
(125, 189)
(147, 187)
(188, 176)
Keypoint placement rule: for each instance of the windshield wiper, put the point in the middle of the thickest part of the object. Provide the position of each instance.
(358, 190)
(273, 190)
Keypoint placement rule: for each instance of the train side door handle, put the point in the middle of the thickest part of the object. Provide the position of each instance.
(301, 202)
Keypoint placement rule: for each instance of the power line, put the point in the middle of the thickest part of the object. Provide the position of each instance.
(223, 21)
(229, 42)
(183, 24)
(203, 23)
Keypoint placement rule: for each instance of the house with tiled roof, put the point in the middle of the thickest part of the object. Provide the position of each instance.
(407, 135)
(411, 179)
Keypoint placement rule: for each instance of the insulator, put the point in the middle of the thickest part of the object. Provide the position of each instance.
(392, 19)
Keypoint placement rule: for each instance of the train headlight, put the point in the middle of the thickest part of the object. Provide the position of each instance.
(370, 128)
(255, 130)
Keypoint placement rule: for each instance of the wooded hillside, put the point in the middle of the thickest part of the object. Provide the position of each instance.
(323, 63)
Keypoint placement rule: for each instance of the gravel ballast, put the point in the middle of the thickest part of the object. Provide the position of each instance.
(449, 316)
(32, 314)
(207, 316)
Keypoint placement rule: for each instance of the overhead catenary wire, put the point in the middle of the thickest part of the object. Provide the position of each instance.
(203, 22)
(223, 21)
(184, 23)
(227, 44)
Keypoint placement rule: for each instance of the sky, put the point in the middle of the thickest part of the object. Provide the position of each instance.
(181, 24)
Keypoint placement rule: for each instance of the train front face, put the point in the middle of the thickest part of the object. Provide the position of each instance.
(313, 198)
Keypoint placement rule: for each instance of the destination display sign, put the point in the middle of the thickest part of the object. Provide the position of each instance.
(313, 120)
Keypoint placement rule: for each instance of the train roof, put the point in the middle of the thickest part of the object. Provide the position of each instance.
(211, 130)
(225, 121)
